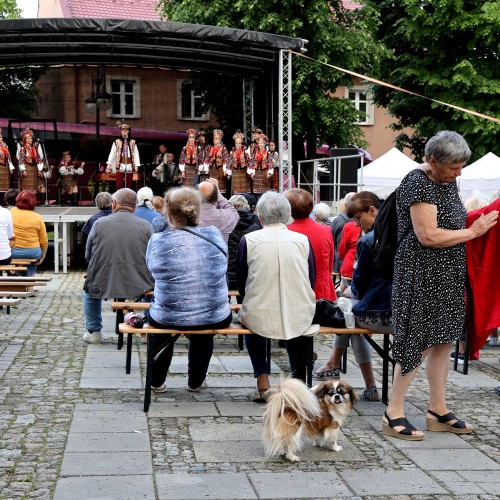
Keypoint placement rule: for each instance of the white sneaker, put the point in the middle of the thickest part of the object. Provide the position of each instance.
(92, 338)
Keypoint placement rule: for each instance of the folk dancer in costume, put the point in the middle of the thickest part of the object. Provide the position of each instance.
(32, 165)
(124, 158)
(203, 152)
(275, 158)
(6, 166)
(256, 135)
(68, 169)
(217, 161)
(262, 169)
(168, 174)
(189, 161)
(239, 162)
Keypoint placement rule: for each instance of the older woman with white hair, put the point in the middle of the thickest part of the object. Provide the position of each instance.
(322, 213)
(145, 209)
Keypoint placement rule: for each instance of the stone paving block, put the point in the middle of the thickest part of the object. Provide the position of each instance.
(391, 482)
(303, 485)
(224, 432)
(111, 371)
(105, 487)
(237, 409)
(475, 382)
(124, 382)
(129, 408)
(183, 409)
(377, 409)
(107, 359)
(242, 364)
(106, 464)
(456, 484)
(180, 365)
(236, 380)
(104, 422)
(451, 459)
(487, 480)
(106, 442)
(182, 486)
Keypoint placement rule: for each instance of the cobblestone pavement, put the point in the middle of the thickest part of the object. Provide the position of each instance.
(42, 359)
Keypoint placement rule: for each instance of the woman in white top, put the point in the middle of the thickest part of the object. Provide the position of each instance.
(7, 237)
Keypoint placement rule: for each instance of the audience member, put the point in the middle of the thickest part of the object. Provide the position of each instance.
(337, 225)
(158, 203)
(188, 293)
(320, 237)
(115, 251)
(351, 233)
(145, 209)
(322, 213)
(7, 237)
(103, 202)
(29, 228)
(10, 197)
(275, 272)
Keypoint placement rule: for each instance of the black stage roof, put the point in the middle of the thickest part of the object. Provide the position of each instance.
(140, 43)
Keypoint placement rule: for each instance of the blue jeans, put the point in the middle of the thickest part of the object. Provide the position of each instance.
(27, 253)
(92, 308)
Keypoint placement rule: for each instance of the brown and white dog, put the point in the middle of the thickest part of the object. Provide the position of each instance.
(294, 412)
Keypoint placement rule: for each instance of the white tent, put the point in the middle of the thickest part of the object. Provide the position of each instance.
(481, 178)
(384, 175)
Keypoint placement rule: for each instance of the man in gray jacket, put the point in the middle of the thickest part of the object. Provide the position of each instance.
(116, 252)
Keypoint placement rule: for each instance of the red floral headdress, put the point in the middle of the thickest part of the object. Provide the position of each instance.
(192, 132)
(27, 131)
(218, 134)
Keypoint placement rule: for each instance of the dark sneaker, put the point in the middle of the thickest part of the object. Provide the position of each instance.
(461, 358)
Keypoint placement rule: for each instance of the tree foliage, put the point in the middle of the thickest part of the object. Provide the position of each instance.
(9, 9)
(447, 50)
(334, 35)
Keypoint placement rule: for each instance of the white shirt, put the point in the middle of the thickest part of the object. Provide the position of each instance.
(6, 233)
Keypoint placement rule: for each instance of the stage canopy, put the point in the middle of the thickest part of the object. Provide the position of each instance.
(142, 43)
(383, 175)
(481, 178)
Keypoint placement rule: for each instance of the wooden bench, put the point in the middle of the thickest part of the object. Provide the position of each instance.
(19, 286)
(19, 295)
(12, 268)
(233, 329)
(25, 278)
(8, 302)
(22, 262)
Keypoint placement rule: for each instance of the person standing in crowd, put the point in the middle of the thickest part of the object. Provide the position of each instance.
(275, 273)
(158, 203)
(124, 157)
(320, 237)
(321, 213)
(351, 233)
(189, 161)
(103, 202)
(239, 162)
(145, 209)
(429, 282)
(115, 251)
(218, 158)
(188, 293)
(6, 166)
(68, 170)
(372, 293)
(261, 170)
(10, 197)
(275, 160)
(337, 225)
(29, 228)
(216, 210)
(7, 236)
(32, 165)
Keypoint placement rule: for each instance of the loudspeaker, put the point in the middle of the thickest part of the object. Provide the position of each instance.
(348, 169)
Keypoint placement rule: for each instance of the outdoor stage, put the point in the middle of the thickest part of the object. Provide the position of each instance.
(62, 218)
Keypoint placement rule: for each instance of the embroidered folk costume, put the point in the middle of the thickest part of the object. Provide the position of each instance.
(124, 158)
(217, 161)
(262, 171)
(189, 161)
(239, 162)
(68, 170)
(203, 152)
(6, 166)
(275, 159)
(256, 135)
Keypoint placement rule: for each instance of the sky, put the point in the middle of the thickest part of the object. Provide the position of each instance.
(29, 7)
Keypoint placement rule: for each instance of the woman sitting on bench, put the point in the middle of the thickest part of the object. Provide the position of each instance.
(188, 264)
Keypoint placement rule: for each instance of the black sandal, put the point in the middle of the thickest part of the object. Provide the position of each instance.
(405, 434)
(442, 424)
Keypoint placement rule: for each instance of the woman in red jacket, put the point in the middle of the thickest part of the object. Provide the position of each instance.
(347, 252)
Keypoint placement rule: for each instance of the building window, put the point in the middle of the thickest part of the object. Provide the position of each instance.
(189, 104)
(361, 98)
(125, 102)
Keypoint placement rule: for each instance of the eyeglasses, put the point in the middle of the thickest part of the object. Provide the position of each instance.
(357, 217)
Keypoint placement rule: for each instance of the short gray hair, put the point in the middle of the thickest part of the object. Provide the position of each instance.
(103, 200)
(447, 147)
(273, 208)
(239, 202)
(322, 211)
(125, 196)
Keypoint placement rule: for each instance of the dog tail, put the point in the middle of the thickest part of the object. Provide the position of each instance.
(289, 406)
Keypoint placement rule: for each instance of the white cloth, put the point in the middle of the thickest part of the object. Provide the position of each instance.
(6, 233)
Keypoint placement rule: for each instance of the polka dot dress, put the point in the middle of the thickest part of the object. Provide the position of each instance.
(428, 295)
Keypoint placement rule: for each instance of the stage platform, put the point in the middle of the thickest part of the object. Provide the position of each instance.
(62, 217)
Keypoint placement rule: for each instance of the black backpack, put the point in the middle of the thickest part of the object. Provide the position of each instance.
(385, 230)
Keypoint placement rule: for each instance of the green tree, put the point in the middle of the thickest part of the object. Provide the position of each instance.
(447, 50)
(18, 95)
(334, 34)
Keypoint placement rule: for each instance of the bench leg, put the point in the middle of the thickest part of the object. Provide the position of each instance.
(119, 319)
(385, 371)
(129, 353)
(240, 342)
(149, 375)
(343, 362)
(268, 355)
(309, 361)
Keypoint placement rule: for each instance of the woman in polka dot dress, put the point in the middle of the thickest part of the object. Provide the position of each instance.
(429, 282)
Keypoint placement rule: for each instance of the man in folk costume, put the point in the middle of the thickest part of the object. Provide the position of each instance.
(203, 152)
(32, 164)
(256, 135)
(217, 161)
(68, 170)
(189, 161)
(6, 166)
(262, 169)
(124, 158)
(239, 162)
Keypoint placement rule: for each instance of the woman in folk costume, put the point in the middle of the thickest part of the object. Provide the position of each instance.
(275, 158)
(203, 152)
(32, 164)
(256, 135)
(189, 161)
(68, 170)
(262, 168)
(217, 161)
(239, 161)
(6, 166)
(124, 157)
